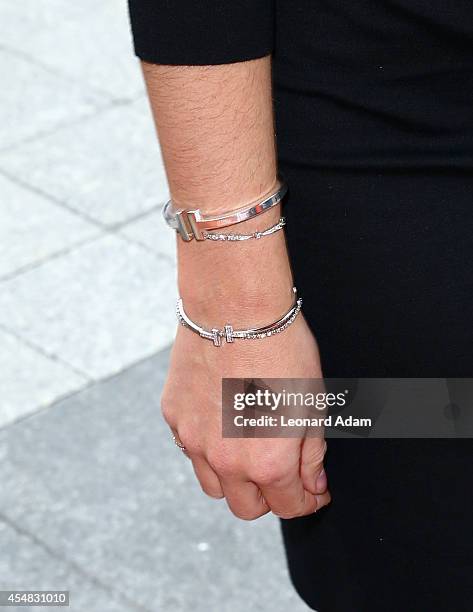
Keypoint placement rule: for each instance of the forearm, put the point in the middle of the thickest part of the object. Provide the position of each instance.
(215, 126)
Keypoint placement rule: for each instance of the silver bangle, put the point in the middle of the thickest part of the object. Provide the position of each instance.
(257, 235)
(229, 334)
(192, 223)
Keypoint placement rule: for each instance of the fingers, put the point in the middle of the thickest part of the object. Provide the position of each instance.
(208, 479)
(206, 476)
(289, 486)
(303, 491)
(244, 499)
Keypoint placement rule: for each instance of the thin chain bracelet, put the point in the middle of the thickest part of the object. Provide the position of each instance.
(229, 334)
(232, 237)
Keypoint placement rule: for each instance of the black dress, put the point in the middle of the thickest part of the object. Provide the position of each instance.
(374, 117)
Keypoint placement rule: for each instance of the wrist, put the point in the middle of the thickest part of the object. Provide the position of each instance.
(244, 280)
(248, 310)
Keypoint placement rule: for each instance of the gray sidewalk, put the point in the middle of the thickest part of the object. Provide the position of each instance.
(86, 270)
(95, 498)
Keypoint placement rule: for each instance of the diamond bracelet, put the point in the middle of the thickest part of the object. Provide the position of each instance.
(233, 237)
(229, 334)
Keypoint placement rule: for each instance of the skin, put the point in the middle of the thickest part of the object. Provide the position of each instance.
(216, 131)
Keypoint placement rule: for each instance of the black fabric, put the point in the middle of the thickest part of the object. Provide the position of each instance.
(383, 263)
(201, 31)
(375, 83)
(374, 121)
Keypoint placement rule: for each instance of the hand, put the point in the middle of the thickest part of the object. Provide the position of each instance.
(257, 475)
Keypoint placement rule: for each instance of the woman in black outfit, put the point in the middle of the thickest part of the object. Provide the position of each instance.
(374, 122)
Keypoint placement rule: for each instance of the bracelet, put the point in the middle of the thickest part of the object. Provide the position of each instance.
(191, 223)
(230, 237)
(229, 334)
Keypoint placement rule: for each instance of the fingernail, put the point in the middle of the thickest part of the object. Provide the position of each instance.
(321, 483)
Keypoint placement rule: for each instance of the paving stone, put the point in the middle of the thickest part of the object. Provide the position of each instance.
(99, 308)
(26, 566)
(33, 228)
(29, 380)
(34, 101)
(86, 40)
(152, 232)
(107, 167)
(107, 488)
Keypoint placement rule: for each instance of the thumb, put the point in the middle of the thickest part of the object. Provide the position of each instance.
(313, 474)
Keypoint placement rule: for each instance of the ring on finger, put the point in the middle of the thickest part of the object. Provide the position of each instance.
(178, 443)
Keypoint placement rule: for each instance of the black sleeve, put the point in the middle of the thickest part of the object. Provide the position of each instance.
(199, 32)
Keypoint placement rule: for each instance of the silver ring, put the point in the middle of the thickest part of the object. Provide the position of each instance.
(178, 443)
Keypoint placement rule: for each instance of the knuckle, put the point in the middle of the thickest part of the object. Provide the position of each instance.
(225, 465)
(270, 474)
(265, 477)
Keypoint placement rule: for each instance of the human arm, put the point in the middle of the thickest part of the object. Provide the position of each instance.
(215, 126)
